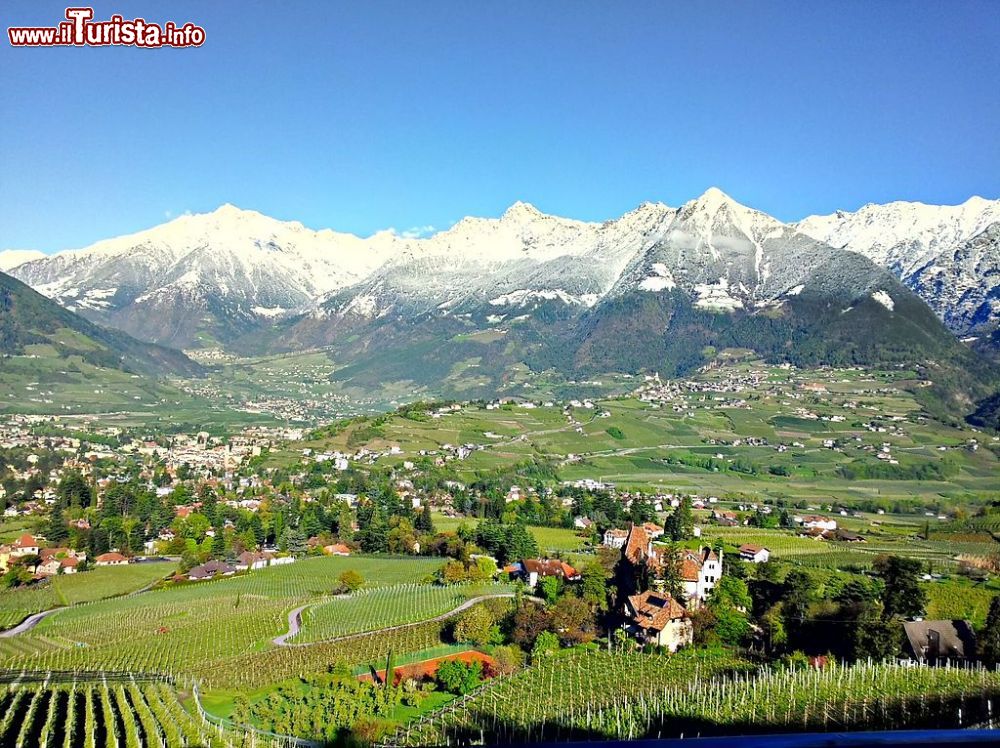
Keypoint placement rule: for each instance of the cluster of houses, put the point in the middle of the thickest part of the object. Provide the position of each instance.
(47, 562)
(246, 561)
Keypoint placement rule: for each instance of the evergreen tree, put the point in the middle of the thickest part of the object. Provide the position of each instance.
(903, 594)
(219, 544)
(989, 636)
(424, 521)
(57, 530)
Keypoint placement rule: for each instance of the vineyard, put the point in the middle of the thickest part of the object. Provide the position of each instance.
(383, 607)
(221, 631)
(600, 696)
(71, 589)
(787, 546)
(107, 710)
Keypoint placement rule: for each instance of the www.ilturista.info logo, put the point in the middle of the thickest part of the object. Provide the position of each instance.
(80, 30)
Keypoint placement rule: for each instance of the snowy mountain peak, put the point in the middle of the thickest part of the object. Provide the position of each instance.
(713, 197)
(11, 258)
(215, 276)
(521, 211)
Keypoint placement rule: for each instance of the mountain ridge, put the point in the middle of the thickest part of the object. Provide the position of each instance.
(212, 279)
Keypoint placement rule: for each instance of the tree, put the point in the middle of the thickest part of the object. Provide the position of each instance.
(729, 602)
(507, 659)
(476, 626)
(797, 594)
(528, 623)
(57, 530)
(219, 544)
(425, 522)
(294, 541)
(772, 626)
(545, 644)
(989, 636)
(573, 621)
(680, 524)
(903, 594)
(876, 637)
(550, 588)
(732, 626)
(459, 677)
(350, 580)
(74, 490)
(594, 585)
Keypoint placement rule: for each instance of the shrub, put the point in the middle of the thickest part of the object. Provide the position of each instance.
(350, 581)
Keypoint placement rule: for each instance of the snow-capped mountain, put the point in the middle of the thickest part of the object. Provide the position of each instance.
(508, 263)
(236, 277)
(949, 255)
(11, 258)
(206, 277)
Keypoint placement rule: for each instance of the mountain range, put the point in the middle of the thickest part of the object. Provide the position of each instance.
(654, 289)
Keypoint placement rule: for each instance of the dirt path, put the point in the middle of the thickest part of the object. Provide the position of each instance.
(295, 622)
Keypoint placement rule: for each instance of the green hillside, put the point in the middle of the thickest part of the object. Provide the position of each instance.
(54, 360)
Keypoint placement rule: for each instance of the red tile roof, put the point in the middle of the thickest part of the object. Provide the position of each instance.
(654, 610)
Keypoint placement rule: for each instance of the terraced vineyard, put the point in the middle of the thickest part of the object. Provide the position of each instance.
(600, 696)
(106, 711)
(71, 589)
(786, 545)
(221, 631)
(386, 606)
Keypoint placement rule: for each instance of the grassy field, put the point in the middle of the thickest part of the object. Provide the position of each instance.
(786, 545)
(83, 587)
(550, 539)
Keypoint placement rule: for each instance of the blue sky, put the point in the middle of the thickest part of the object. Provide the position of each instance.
(365, 115)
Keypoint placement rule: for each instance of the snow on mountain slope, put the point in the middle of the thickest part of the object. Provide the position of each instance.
(214, 278)
(225, 265)
(518, 260)
(728, 256)
(949, 255)
(11, 258)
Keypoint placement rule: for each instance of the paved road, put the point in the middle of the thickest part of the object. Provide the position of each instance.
(34, 619)
(29, 623)
(295, 622)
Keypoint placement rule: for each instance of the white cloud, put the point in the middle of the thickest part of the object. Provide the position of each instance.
(414, 232)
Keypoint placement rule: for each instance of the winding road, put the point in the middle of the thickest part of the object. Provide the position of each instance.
(295, 622)
(35, 618)
(29, 623)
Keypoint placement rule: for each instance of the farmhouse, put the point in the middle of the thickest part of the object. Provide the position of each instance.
(652, 529)
(251, 560)
(725, 518)
(533, 569)
(755, 554)
(110, 559)
(337, 549)
(847, 536)
(937, 642)
(210, 570)
(657, 618)
(699, 573)
(615, 538)
(817, 522)
(26, 545)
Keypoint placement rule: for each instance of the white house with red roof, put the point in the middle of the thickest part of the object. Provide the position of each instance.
(111, 559)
